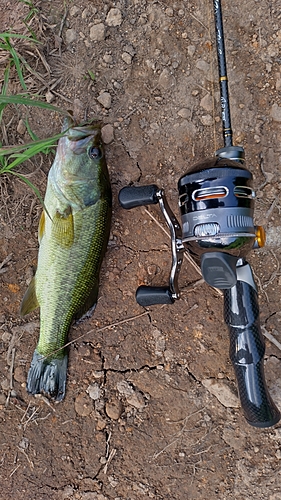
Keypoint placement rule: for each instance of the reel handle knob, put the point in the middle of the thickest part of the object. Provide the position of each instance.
(150, 295)
(136, 196)
(247, 347)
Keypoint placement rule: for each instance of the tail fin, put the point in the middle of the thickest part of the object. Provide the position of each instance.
(47, 376)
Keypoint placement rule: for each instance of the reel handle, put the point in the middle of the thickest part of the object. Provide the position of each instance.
(151, 295)
(247, 347)
(131, 196)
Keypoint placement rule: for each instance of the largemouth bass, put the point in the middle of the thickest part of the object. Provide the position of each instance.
(73, 235)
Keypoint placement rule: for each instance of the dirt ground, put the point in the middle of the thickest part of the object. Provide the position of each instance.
(151, 409)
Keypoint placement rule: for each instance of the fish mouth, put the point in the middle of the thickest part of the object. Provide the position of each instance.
(78, 136)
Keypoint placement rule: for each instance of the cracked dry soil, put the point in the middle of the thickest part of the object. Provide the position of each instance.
(140, 419)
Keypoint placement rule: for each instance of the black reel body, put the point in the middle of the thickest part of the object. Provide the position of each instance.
(216, 201)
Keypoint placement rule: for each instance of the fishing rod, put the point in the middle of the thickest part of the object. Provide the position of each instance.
(216, 202)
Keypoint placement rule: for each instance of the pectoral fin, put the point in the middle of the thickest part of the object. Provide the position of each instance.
(41, 227)
(63, 228)
(29, 301)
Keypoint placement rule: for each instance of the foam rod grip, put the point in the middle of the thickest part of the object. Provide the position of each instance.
(131, 196)
(151, 295)
(247, 348)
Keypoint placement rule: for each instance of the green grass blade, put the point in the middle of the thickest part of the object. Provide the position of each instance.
(19, 99)
(33, 136)
(17, 64)
(5, 88)
(6, 35)
(38, 145)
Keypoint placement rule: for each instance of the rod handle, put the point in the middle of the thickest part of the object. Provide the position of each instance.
(151, 295)
(247, 348)
(136, 196)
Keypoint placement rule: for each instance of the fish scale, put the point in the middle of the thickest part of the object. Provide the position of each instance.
(73, 235)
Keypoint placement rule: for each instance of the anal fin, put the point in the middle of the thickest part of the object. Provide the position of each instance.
(29, 301)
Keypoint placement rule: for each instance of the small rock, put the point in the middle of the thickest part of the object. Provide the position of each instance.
(203, 66)
(101, 424)
(166, 80)
(278, 454)
(2, 399)
(94, 391)
(24, 443)
(114, 17)
(70, 36)
(67, 493)
(105, 99)
(19, 374)
(169, 12)
(124, 388)
(114, 409)
(107, 58)
(127, 57)
(234, 438)
(97, 32)
(83, 406)
(222, 391)
(190, 50)
(184, 113)
(6, 337)
(107, 133)
(21, 128)
(136, 400)
(49, 96)
(207, 102)
(5, 384)
(206, 120)
(73, 11)
(276, 112)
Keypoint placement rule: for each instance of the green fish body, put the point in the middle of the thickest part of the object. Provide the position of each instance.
(73, 236)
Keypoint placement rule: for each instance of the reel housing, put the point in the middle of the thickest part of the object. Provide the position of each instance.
(216, 201)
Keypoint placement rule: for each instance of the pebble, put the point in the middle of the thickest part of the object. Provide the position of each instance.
(169, 11)
(114, 17)
(6, 337)
(207, 102)
(107, 133)
(136, 400)
(5, 384)
(24, 443)
(105, 99)
(222, 392)
(21, 128)
(19, 374)
(190, 50)
(97, 32)
(184, 113)
(70, 36)
(101, 424)
(203, 66)
(127, 58)
(74, 10)
(206, 120)
(114, 409)
(49, 96)
(166, 80)
(94, 391)
(83, 406)
(276, 112)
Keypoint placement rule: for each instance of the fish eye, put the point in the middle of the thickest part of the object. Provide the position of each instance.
(95, 153)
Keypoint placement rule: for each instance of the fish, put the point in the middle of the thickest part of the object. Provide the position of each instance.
(73, 235)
